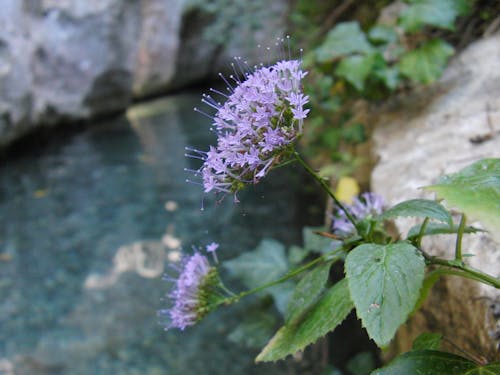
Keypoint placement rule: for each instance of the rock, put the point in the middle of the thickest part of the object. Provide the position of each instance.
(158, 46)
(67, 61)
(62, 61)
(455, 123)
(212, 34)
(81, 58)
(15, 77)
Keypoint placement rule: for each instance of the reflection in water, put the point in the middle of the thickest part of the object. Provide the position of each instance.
(144, 258)
(89, 224)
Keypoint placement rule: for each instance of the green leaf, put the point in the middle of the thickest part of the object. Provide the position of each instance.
(354, 133)
(490, 369)
(384, 281)
(307, 291)
(389, 76)
(438, 228)
(429, 281)
(327, 314)
(314, 242)
(255, 329)
(344, 39)
(475, 190)
(426, 64)
(427, 341)
(433, 362)
(264, 264)
(355, 69)
(281, 294)
(438, 13)
(296, 254)
(382, 34)
(419, 208)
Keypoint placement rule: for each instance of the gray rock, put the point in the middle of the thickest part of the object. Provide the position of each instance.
(82, 57)
(15, 77)
(158, 45)
(213, 34)
(69, 60)
(417, 143)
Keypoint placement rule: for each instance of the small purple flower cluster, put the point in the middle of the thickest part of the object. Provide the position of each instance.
(190, 295)
(261, 118)
(367, 204)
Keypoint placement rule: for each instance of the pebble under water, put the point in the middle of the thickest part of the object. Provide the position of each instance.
(88, 226)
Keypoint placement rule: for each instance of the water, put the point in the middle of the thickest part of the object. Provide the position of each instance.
(88, 224)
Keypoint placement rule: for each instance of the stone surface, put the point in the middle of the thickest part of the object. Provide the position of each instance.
(69, 60)
(437, 131)
(15, 78)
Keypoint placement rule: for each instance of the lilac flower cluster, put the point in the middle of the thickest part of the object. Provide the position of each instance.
(191, 293)
(256, 126)
(367, 204)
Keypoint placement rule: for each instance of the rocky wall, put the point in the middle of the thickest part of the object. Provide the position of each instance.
(70, 60)
(437, 131)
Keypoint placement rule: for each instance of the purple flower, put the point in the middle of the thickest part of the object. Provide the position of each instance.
(364, 206)
(212, 247)
(256, 126)
(191, 296)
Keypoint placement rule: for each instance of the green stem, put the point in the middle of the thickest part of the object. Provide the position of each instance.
(421, 232)
(460, 269)
(284, 163)
(326, 187)
(460, 233)
(225, 289)
(289, 275)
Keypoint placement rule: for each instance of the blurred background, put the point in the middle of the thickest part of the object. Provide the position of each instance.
(94, 202)
(96, 108)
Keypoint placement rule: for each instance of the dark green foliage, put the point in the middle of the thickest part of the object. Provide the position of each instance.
(362, 59)
(322, 318)
(433, 362)
(427, 341)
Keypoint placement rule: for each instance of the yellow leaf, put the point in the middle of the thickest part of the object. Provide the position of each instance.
(347, 189)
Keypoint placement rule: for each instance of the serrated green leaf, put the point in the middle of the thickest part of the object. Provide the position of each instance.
(255, 329)
(327, 314)
(307, 291)
(384, 281)
(429, 281)
(344, 39)
(427, 341)
(438, 228)
(314, 242)
(426, 64)
(355, 69)
(438, 13)
(475, 190)
(419, 208)
(433, 362)
(382, 34)
(264, 264)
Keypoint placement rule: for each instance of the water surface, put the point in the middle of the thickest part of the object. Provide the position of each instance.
(88, 224)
